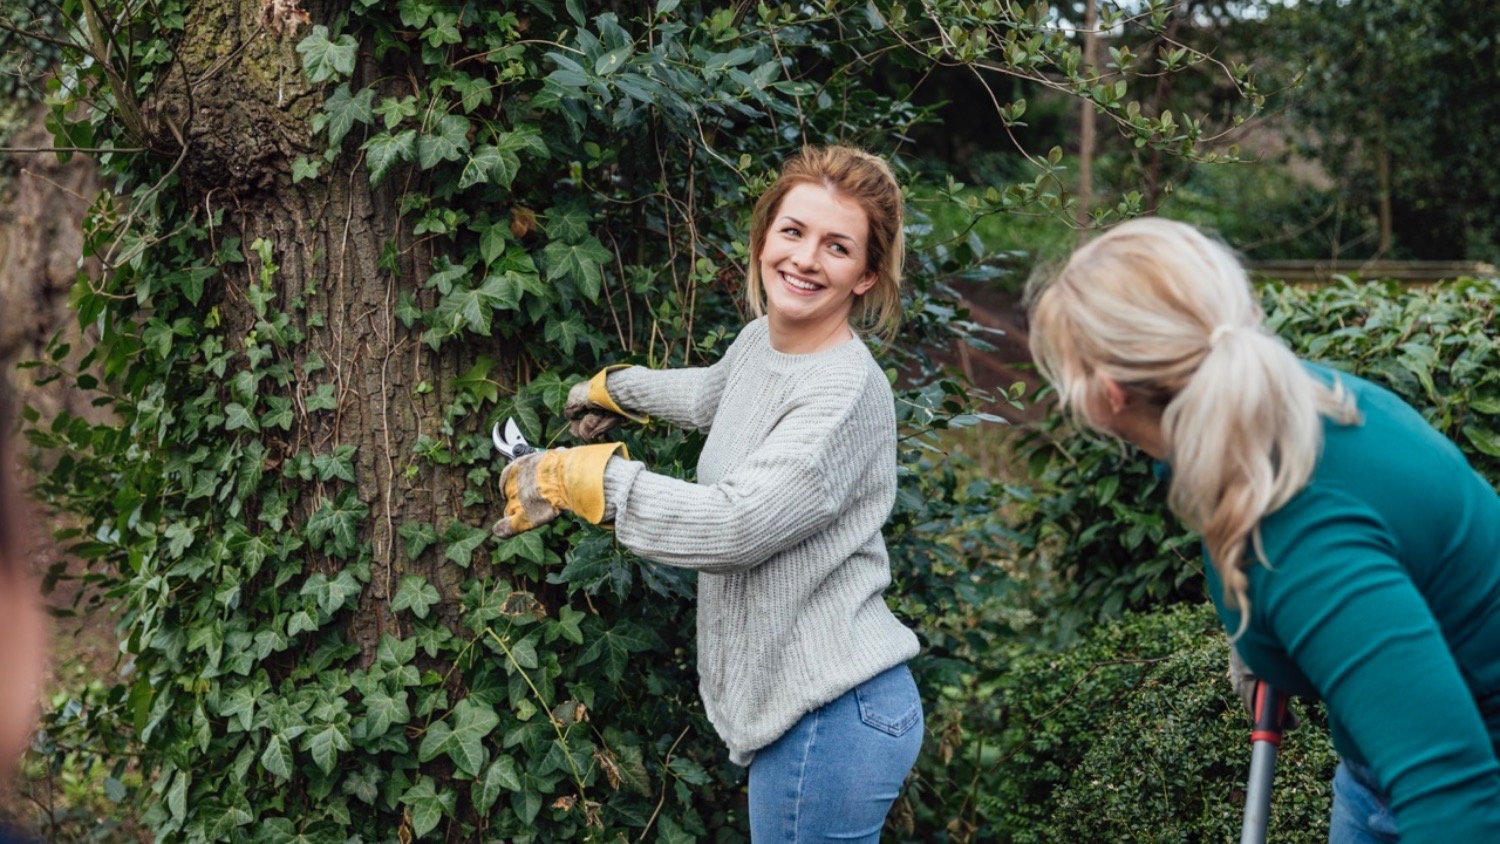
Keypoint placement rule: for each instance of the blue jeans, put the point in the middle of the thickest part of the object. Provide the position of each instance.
(834, 775)
(1360, 814)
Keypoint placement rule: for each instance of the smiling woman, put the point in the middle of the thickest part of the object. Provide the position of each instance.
(802, 667)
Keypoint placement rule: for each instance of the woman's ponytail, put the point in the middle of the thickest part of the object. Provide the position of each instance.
(1167, 313)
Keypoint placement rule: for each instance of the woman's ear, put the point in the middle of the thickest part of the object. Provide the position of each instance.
(1114, 394)
(865, 283)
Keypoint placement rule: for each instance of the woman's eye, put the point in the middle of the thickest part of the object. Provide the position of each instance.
(840, 248)
(791, 231)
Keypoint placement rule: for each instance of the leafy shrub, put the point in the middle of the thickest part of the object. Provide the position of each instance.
(1130, 734)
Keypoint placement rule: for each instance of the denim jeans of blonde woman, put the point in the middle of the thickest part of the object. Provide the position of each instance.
(1360, 814)
(834, 775)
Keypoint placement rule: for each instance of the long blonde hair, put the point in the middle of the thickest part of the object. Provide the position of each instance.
(1168, 314)
(868, 181)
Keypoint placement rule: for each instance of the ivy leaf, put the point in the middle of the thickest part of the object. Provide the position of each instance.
(323, 59)
(476, 382)
(280, 413)
(567, 624)
(463, 742)
(493, 242)
(277, 757)
(344, 110)
(417, 536)
(305, 168)
(334, 527)
(240, 704)
(615, 646)
(301, 622)
(428, 805)
(473, 92)
(448, 141)
(392, 111)
(384, 150)
(236, 416)
(490, 165)
(364, 786)
(568, 222)
(462, 541)
(179, 538)
(578, 262)
(325, 744)
(500, 775)
(339, 464)
(565, 333)
(415, 594)
(321, 399)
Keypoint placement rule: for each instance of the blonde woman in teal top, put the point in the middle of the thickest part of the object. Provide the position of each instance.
(1353, 553)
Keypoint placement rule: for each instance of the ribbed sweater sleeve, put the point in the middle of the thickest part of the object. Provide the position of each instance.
(791, 486)
(686, 397)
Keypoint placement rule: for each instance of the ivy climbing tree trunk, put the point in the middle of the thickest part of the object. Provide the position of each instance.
(333, 255)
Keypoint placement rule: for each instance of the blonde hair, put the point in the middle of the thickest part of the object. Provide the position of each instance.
(1168, 314)
(867, 180)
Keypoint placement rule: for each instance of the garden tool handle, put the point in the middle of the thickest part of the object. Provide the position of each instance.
(1268, 724)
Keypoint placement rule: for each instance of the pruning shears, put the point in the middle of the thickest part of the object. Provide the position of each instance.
(512, 443)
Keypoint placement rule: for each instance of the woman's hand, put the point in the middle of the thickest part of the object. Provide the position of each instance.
(588, 420)
(538, 486)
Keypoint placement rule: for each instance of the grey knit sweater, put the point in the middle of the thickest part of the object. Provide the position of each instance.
(795, 481)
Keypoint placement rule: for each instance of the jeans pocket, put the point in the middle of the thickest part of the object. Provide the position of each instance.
(889, 702)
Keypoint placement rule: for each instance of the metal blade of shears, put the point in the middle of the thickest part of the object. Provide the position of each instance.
(512, 443)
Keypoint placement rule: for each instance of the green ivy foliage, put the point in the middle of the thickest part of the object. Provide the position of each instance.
(1097, 521)
(578, 185)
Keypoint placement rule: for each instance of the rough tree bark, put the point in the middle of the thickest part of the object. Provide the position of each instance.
(244, 113)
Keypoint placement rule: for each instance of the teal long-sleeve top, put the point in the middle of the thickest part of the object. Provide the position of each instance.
(1382, 597)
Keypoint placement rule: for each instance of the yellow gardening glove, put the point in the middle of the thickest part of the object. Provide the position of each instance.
(591, 412)
(540, 485)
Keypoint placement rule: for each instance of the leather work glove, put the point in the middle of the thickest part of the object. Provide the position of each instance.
(538, 486)
(1243, 680)
(591, 412)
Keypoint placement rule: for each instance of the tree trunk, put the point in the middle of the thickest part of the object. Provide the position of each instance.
(328, 236)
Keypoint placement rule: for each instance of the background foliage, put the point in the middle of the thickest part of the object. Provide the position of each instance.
(300, 661)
